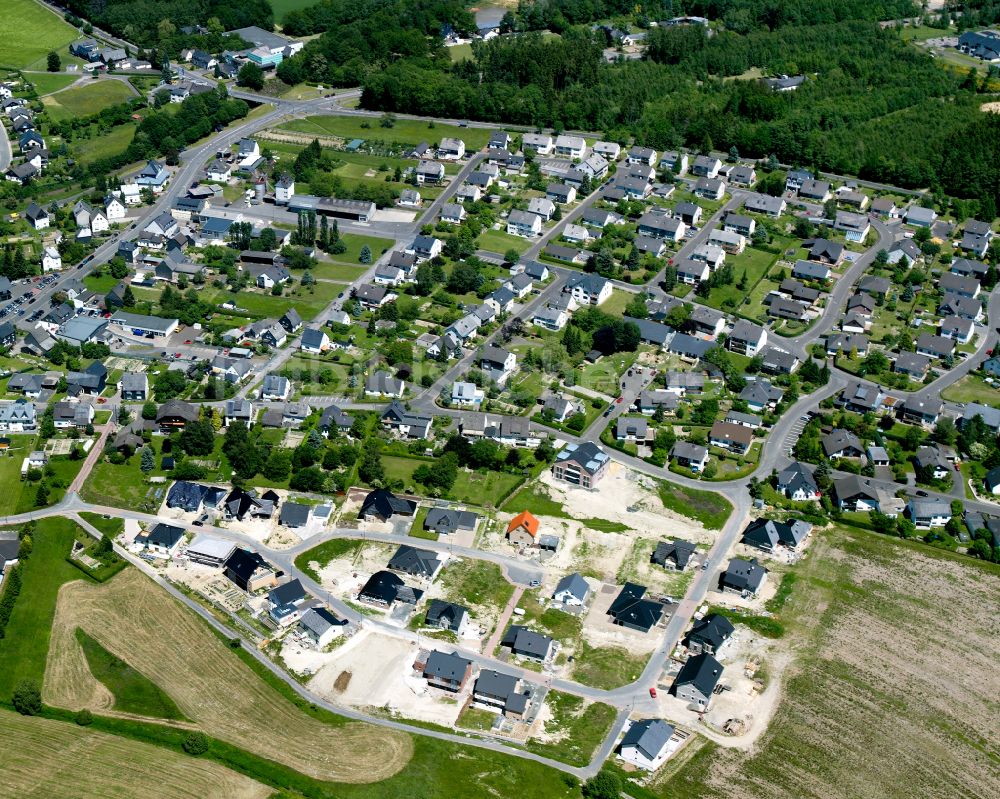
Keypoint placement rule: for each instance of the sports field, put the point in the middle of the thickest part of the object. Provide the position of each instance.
(87, 99)
(56, 760)
(131, 617)
(30, 32)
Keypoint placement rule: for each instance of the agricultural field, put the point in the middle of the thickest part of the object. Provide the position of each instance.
(208, 683)
(883, 699)
(59, 760)
(404, 131)
(90, 98)
(31, 32)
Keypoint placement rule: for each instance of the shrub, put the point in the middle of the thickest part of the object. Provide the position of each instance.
(27, 698)
(84, 718)
(196, 743)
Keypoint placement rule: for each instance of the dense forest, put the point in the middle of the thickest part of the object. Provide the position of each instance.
(154, 22)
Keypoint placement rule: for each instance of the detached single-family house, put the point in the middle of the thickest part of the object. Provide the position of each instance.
(695, 682)
(645, 743)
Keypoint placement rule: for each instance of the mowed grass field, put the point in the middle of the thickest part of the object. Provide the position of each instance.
(48, 82)
(893, 693)
(282, 7)
(62, 761)
(30, 32)
(210, 685)
(90, 98)
(404, 131)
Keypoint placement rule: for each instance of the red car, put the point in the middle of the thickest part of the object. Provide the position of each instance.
(652, 692)
(620, 400)
(188, 341)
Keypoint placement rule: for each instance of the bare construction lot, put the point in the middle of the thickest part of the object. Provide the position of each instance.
(893, 691)
(138, 622)
(56, 760)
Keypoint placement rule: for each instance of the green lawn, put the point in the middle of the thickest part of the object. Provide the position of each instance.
(582, 728)
(604, 375)
(972, 388)
(337, 271)
(111, 143)
(707, 507)
(25, 645)
(133, 691)
(110, 527)
(606, 667)
(752, 262)
(87, 99)
(477, 488)
(477, 582)
(499, 242)
(48, 82)
(460, 52)
(404, 131)
(535, 497)
(282, 7)
(615, 304)
(354, 243)
(32, 31)
(327, 551)
(11, 485)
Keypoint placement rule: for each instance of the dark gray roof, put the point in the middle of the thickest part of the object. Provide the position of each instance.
(448, 520)
(451, 667)
(679, 551)
(294, 514)
(743, 575)
(702, 671)
(446, 614)
(287, 593)
(714, 629)
(423, 562)
(524, 641)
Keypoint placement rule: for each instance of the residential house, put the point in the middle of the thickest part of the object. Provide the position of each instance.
(522, 530)
(163, 540)
(527, 643)
(383, 505)
(447, 521)
(422, 563)
(920, 410)
(856, 494)
(498, 692)
(797, 483)
(321, 627)
(285, 602)
(815, 190)
(404, 423)
(842, 444)
(709, 634)
(523, 223)
(581, 465)
(710, 188)
(695, 682)
(927, 514)
(746, 338)
(382, 384)
(855, 227)
(448, 616)
(761, 395)
(744, 577)
(588, 289)
(764, 204)
(919, 216)
(466, 394)
(935, 346)
(690, 456)
(732, 243)
(769, 534)
(674, 554)
(912, 364)
(733, 437)
(275, 388)
(498, 364)
(631, 610)
(645, 743)
(738, 223)
(571, 590)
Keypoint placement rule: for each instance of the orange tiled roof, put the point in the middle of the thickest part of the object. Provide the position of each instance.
(527, 521)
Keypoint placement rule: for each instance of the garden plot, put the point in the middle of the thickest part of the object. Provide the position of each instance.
(206, 581)
(375, 672)
(600, 631)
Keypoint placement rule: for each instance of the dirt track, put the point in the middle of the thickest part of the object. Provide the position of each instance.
(133, 618)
